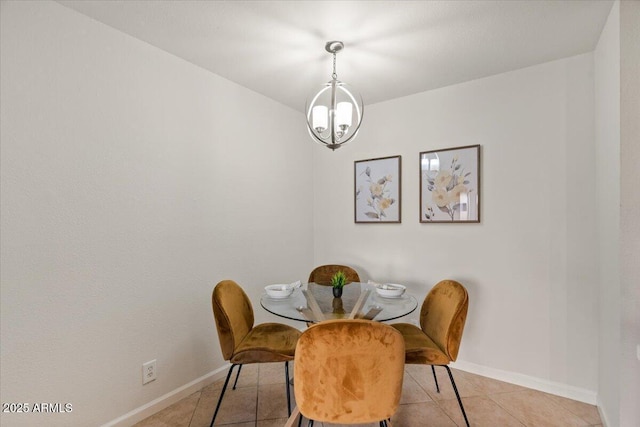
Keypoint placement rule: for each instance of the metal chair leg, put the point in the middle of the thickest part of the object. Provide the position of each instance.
(237, 375)
(310, 423)
(286, 384)
(435, 378)
(224, 388)
(453, 383)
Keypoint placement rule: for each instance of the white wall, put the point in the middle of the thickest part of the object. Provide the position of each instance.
(607, 121)
(617, 61)
(530, 265)
(630, 212)
(132, 182)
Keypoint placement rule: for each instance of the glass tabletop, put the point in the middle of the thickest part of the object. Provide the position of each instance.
(339, 308)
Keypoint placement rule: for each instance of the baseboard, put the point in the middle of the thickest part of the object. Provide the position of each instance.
(551, 387)
(144, 411)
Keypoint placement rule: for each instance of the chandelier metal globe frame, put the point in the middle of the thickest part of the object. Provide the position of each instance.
(334, 113)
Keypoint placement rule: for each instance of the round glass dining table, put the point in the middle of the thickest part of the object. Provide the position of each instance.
(376, 307)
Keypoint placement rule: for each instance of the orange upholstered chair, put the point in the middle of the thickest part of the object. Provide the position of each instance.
(243, 342)
(349, 372)
(322, 275)
(437, 340)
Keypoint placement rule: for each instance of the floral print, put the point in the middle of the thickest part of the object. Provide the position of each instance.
(449, 191)
(379, 199)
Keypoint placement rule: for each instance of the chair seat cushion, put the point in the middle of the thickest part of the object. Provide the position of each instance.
(419, 348)
(268, 342)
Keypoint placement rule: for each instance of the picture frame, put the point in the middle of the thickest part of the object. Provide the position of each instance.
(377, 190)
(450, 185)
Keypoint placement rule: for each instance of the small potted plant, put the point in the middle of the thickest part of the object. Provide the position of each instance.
(337, 282)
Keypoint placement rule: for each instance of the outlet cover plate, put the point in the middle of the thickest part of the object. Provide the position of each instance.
(149, 372)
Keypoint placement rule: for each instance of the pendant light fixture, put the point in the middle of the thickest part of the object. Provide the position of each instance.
(334, 113)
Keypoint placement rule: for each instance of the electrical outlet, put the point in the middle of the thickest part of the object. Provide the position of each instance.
(149, 371)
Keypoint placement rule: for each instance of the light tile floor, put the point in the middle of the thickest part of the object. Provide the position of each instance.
(260, 401)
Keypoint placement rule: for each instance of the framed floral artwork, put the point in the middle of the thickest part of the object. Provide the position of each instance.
(377, 190)
(450, 185)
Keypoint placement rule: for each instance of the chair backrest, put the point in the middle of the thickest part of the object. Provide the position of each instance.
(233, 313)
(443, 315)
(322, 275)
(349, 371)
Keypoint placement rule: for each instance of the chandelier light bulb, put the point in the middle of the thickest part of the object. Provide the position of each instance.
(320, 118)
(345, 111)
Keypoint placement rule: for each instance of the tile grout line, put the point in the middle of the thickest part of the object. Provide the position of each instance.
(195, 407)
(566, 409)
(577, 415)
(257, 394)
(587, 423)
(434, 400)
(507, 410)
(489, 396)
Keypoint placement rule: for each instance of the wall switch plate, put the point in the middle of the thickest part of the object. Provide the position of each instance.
(149, 371)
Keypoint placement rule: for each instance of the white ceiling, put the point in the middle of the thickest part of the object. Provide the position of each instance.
(392, 48)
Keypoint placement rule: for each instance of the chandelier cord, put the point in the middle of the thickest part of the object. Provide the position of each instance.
(334, 75)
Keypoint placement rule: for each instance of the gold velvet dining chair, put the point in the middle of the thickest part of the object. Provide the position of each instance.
(242, 342)
(348, 372)
(437, 340)
(322, 274)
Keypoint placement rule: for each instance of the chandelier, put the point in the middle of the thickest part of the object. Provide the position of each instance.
(334, 113)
